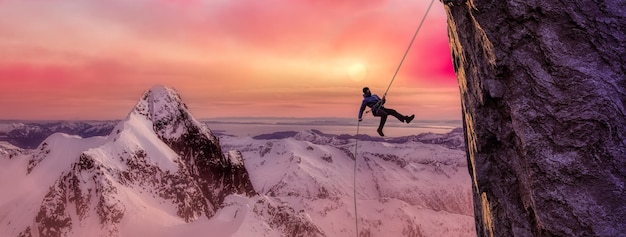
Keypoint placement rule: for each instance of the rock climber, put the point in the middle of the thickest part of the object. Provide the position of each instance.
(376, 104)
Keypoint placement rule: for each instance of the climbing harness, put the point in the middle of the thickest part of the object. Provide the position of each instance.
(378, 105)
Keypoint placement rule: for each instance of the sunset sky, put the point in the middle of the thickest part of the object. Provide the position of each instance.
(67, 59)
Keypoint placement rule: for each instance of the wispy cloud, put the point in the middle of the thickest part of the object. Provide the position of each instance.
(241, 58)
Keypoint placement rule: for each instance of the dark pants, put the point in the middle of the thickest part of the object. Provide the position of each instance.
(383, 113)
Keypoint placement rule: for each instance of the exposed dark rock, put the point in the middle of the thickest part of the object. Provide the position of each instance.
(179, 187)
(74, 188)
(328, 158)
(9, 151)
(26, 233)
(52, 219)
(284, 218)
(543, 94)
(266, 149)
(38, 156)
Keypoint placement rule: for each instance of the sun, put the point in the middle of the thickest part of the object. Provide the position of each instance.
(357, 72)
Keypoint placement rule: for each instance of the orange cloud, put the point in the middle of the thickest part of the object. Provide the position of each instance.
(244, 58)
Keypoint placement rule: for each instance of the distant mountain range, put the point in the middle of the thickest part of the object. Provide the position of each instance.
(29, 135)
(452, 140)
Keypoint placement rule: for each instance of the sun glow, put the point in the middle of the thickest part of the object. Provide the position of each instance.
(357, 72)
(312, 48)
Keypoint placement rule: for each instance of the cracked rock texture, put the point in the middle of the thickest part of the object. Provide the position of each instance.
(543, 92)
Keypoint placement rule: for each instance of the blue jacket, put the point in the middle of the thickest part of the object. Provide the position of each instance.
(369, 101)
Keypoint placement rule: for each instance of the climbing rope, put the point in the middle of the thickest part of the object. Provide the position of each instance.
(409, 48)
(356, 143)
(356, 147)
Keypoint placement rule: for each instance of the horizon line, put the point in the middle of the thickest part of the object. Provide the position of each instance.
(204, 119)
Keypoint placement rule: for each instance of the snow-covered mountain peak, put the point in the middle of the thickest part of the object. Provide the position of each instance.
(160, 102)
(167, 112)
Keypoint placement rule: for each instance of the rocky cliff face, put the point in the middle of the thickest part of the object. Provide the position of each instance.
(543, 93)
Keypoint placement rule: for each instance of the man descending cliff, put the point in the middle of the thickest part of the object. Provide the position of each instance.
(376, 104)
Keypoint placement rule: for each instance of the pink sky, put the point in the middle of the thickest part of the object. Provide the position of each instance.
(66, 59)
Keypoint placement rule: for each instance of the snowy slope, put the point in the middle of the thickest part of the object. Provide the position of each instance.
(403, 189)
